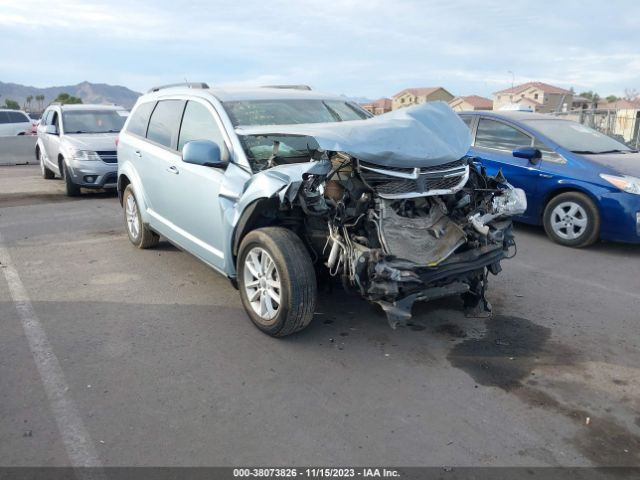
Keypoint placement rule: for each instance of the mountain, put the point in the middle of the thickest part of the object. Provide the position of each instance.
(88, 92)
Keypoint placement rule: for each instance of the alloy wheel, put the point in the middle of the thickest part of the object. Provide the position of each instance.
(262, 284)
(569, 220)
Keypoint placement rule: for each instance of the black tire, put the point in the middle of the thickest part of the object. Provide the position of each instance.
(145, 238)
(72, 189)
(46, 173)
(588, 235)
(298, 284)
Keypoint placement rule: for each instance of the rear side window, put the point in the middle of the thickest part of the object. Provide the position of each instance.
(4, 117)
(140, 119)
(165, 123)
(199, 124)
(17, 117)
(500, 136)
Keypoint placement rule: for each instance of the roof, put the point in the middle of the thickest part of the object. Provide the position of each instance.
(621, 104)
(545, 87)
(382, 103)
(231, 94)
(88, 106)
(513, 115)
(475, 101)
(419, 91)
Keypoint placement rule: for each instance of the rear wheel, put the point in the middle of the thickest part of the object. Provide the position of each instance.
(46, 173)
(572, 219)
(277, 281)
(140, 235)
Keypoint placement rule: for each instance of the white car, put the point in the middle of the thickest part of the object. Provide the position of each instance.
(14, 122)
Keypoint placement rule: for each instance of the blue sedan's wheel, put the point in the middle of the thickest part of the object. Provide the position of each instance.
(572, 219)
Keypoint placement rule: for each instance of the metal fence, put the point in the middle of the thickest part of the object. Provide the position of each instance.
(623, 125)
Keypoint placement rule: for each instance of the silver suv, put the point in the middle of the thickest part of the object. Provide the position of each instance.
(271, 186)
(78, 143)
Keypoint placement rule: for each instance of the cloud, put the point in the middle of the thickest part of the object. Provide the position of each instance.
(358, 47)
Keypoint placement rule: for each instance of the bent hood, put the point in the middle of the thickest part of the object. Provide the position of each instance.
(420, 136)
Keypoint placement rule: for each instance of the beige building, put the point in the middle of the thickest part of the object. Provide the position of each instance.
(414, 96)
(471, 102)
(380, 106)
(624, 118)
(541, 97)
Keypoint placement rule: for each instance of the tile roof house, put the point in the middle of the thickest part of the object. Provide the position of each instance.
(380, 106)
(414, 96)
(542, 97)
(471, 102)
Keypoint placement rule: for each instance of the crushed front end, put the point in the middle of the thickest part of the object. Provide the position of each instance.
(401, 235)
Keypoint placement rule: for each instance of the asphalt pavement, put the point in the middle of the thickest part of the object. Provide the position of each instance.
(119, 356)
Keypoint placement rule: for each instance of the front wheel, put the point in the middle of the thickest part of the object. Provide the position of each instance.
(572, 219)
(277, 281)
(72, 189)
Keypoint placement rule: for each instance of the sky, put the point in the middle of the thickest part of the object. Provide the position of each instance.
(360, 48)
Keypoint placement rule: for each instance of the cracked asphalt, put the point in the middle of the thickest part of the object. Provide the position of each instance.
(164, 368)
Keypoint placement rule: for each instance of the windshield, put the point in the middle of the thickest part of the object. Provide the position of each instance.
(576, 137)
(93, 121)
(286, 112)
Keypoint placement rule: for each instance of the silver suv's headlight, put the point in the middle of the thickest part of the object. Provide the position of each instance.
(623, 182)
(85, 155)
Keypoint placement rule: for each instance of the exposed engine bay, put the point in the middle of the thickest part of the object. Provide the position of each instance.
(403, 235)
(392, 206)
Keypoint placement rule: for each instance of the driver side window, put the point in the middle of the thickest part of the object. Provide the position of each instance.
(500, 136)
(199, 124)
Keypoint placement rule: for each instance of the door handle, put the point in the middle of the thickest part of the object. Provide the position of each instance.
(138, 153)
(173, 169)
(545, 175)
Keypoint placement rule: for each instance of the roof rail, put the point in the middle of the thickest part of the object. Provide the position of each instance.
(182, 84)
(291, 87)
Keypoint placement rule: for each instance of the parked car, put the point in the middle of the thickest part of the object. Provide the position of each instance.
(14, 122)
(78, 143)
(268, 185)
(581, 185)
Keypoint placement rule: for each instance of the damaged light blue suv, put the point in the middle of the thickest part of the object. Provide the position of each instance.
(270, 186)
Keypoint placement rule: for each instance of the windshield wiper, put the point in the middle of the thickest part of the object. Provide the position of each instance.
(585, 152)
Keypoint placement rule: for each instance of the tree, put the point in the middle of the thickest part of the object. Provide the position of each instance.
(631, 94)
(29, 100)
(65, 98)
(40, 100)
(12, 104)
(612, 98)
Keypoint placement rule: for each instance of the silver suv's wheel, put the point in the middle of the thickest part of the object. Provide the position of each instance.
(140, 235)
(572, 219)
(262, 284)
(277, 281)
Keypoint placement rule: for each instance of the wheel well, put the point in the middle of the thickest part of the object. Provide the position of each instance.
(60, 162)
(123, 181)
(560, 191)
(260, 213)
(37, 152)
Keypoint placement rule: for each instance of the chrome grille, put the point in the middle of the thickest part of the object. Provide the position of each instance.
(397, 182)
(108, 156)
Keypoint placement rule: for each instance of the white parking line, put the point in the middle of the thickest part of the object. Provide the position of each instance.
(77, 442)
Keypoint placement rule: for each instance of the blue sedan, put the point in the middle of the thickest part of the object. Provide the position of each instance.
(581, 185)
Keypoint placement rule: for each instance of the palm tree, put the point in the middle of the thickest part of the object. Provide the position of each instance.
(29, 99)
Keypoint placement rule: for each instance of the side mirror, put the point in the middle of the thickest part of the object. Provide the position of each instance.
(51, 130)
(203, 152)
(529, 153)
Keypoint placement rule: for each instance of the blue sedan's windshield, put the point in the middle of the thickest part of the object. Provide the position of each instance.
(287, 112)
(576, 137)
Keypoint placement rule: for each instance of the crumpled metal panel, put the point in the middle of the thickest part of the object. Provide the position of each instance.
(420, 136)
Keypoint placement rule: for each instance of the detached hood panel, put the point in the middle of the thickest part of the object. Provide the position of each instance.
(420, 136)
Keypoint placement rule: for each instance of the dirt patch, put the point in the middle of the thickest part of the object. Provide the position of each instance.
(505, 357)
(452, 330)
